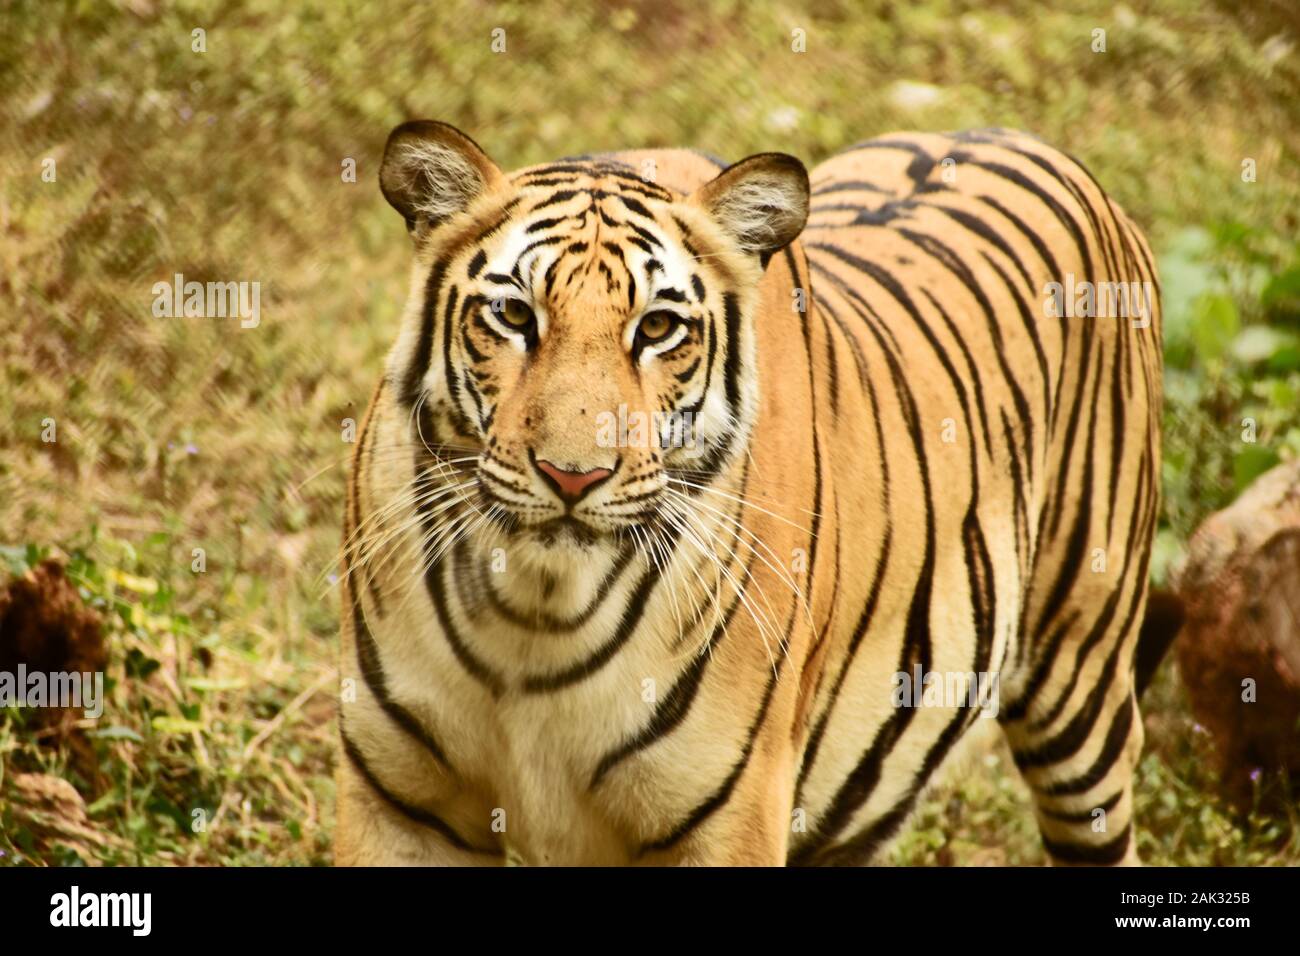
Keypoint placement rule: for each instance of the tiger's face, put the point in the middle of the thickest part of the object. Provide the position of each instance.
(580, 337)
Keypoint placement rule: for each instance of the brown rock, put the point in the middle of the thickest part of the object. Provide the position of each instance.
(1240, 587)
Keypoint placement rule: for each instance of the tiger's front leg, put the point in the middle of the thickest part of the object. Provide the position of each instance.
(751, 828)
(370, 831)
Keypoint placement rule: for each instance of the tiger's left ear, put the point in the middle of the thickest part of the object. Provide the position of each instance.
(432, 171)
(761, 202)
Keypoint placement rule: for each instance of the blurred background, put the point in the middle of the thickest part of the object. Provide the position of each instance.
(133, 148)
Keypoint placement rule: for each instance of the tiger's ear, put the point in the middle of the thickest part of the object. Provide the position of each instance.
(761, 202)
(431, 171)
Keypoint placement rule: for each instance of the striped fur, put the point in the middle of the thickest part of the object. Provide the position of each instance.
(919, 469)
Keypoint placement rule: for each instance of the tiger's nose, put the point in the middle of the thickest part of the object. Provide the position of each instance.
(570, 485)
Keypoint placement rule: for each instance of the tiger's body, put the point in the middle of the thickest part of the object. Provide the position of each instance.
(903, 467)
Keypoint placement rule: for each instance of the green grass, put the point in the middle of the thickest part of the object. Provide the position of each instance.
(176, 434)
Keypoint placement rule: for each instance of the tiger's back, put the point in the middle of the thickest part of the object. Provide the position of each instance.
(1020, 457)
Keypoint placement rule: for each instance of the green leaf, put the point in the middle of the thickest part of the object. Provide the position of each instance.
(1215, 324)
(1281, 297)
(1231, 234)
(1184, 276)
(213, 685)
(1286, 359)
(175, 725)
(1251, 462)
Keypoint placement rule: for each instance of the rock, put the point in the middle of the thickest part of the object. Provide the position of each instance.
(1239, 648)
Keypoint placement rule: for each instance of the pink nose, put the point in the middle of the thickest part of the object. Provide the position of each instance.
(571, 485)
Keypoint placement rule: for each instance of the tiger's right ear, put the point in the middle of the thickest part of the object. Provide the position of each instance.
(432, 171)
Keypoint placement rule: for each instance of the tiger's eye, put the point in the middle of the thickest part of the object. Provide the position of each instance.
(515, 314)
(656, 326)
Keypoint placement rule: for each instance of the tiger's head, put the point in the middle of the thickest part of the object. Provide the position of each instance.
(580, 335)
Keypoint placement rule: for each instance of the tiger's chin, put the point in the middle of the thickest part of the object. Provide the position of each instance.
(554, 568)
(559, 545)
(565, 532)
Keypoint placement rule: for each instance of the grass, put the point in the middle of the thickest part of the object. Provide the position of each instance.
(177, 434)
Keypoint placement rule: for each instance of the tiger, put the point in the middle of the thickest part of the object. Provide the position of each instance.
(702, 513)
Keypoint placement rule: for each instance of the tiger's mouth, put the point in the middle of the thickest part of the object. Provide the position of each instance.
(565, 530)
(562, 531)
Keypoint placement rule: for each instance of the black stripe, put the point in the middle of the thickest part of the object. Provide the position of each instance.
(372, 673)
(1080, 727)
(676, 704)
(1083, 816)
(413, 813)
(1116, 739)
(1105, 854)
(554, 199)
(1081, 495)
(806, 326)
(1064, 217)
(546, 622)
(813, 745)
(862, 780)
(1020, 509)
(1030, 325)
(541, 224)
(1077, 542)
(731, 364)
(856, 185)
(636, 206)
(1118, 425)
(896, 289)
(1053, 270)
(449, 372)
(1018, 178)
(977, 384)
(368, 658)
(720, 796)
(990, 235)
(723, 793)
(413, 380)
(957, 266)
(685, 375)
(433, 582)
(862, 847)
(368, 450)
(576, 673)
